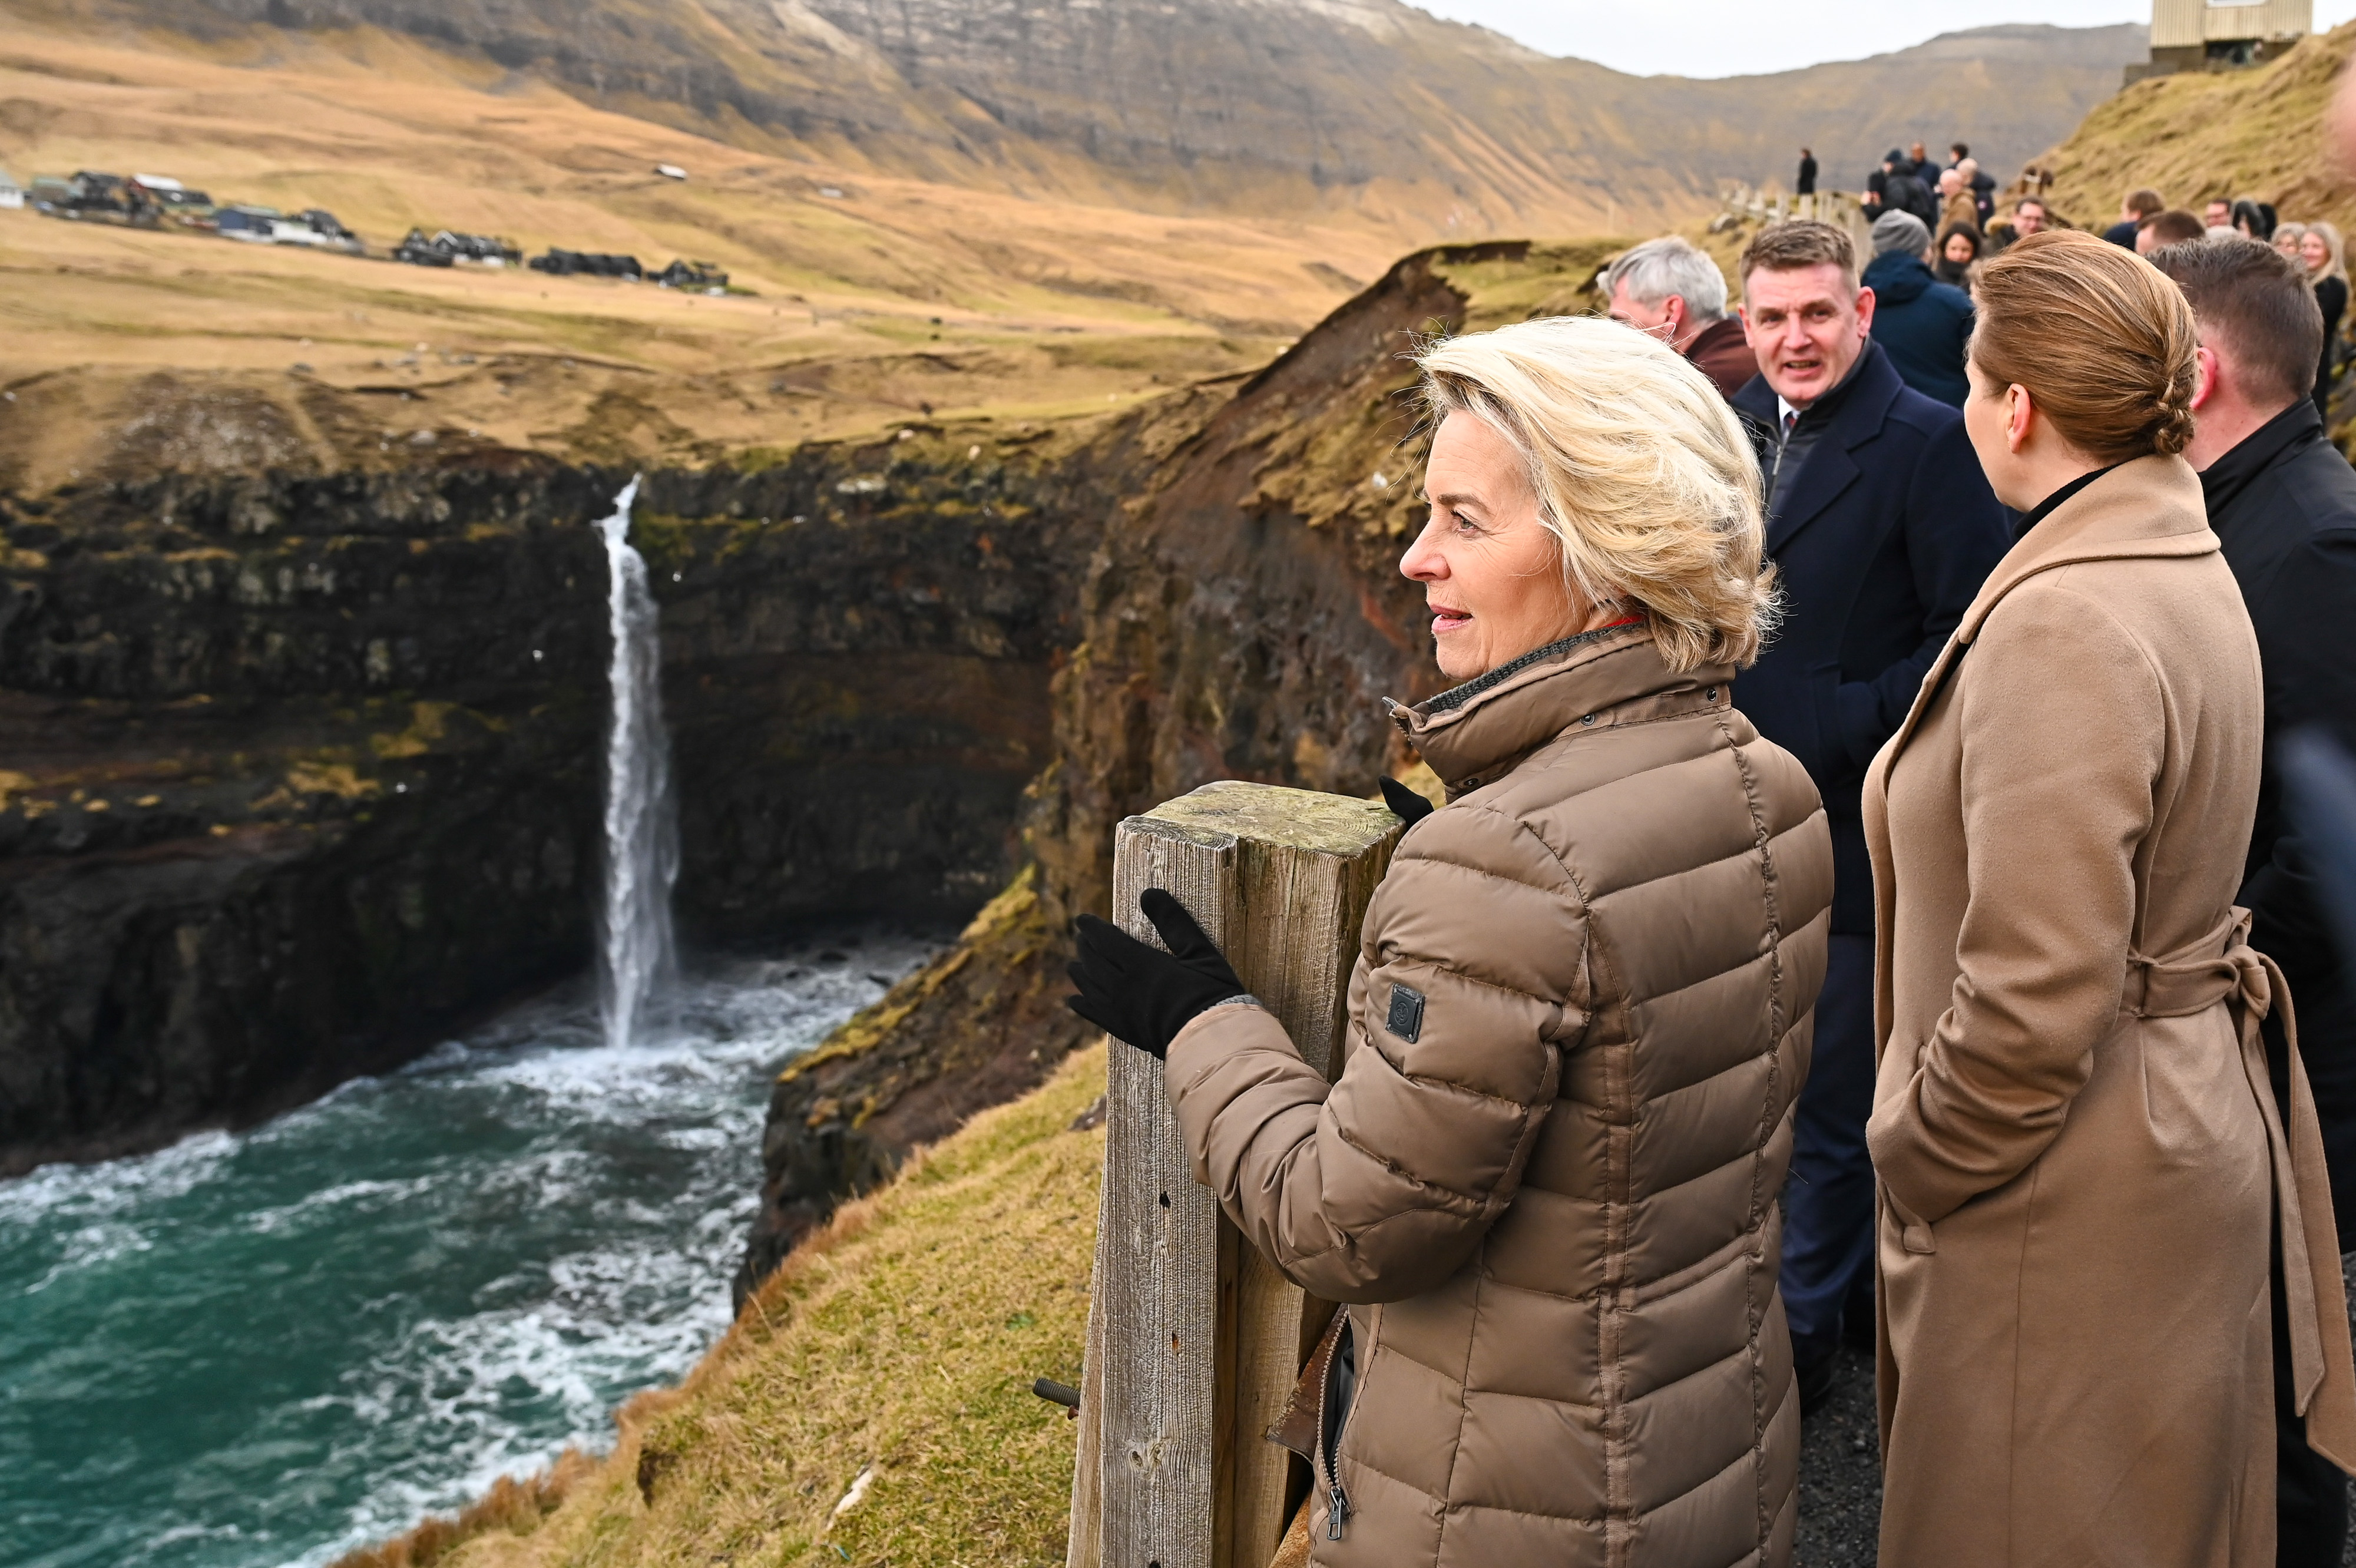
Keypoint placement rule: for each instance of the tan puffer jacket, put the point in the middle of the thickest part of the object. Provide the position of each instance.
(1549, 1168)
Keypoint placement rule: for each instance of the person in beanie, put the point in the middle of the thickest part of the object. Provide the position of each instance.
(1544, 1180)
(1920, 323)
(1876, 199)
(1882, 528)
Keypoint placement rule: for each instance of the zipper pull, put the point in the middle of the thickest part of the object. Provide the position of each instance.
(1337, 1510)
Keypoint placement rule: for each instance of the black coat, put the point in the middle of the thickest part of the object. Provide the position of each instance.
(1882, 538)
(2284, 504)
(2332, 298)
(1807, 181)
(1923, 325)
(1908, 193)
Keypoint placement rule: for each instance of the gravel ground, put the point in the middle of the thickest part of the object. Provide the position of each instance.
(1840, 1472)
(1840, 1468)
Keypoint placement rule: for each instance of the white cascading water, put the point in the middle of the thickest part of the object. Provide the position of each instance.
(635, 955)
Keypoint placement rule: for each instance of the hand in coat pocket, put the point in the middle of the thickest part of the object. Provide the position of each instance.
(1914, 1232)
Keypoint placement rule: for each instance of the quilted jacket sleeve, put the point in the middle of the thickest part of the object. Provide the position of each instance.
(1379, 1185)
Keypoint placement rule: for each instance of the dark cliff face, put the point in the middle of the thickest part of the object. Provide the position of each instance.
(303, 769)
(1250, 618)
(296, 772)
(1240, 616)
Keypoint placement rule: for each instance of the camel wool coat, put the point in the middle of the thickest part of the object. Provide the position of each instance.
(2080, 1157)
(1546, 1177)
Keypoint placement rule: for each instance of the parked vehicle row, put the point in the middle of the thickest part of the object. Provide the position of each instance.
(151, 201)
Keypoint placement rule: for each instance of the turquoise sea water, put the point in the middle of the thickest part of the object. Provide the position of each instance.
(267, 1348)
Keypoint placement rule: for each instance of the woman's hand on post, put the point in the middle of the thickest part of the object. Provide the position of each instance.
(1404, 803)
(1137, 992)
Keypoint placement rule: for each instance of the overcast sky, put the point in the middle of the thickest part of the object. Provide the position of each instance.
(1738, 38)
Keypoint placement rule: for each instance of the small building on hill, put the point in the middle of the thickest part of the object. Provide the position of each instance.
(2198, 35)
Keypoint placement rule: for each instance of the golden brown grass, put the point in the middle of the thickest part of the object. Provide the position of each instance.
(900, 1341)
(2247, 132)
(897, 300)
(513, 1507)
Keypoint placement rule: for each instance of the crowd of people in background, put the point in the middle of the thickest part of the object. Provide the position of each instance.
(1857, 377)
(1934, 223)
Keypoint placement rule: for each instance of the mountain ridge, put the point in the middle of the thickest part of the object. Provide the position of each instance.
(1427, 128)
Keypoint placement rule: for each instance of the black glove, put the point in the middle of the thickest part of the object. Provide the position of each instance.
(1139, 993)
(1404, 803)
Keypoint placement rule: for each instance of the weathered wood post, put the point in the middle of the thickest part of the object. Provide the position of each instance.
(1194, 1341)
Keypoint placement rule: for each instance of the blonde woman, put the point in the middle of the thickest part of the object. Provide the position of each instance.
(2082, 1166)
(2322, 253)
(1579, 1014)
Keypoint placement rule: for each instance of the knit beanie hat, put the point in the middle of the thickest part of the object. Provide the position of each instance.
(1900, 231)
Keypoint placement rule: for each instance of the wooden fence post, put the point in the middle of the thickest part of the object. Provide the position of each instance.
(1194, 1341)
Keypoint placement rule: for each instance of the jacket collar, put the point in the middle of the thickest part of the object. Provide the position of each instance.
(2149, 507)
(1477, 732)
(1852, 412)
(2222, 482)
(1719, 332)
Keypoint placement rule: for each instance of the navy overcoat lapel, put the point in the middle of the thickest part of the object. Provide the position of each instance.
(1829, 471)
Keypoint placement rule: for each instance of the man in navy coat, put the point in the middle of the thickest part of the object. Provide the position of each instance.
(1882, 528)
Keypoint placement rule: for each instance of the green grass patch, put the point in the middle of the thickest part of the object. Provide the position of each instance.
(899, 1343)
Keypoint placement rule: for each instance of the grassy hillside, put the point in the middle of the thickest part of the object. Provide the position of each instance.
(899, 1345)
(888, 301)
(2247, 132)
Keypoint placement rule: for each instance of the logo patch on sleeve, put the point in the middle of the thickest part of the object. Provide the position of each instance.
(1406, 1018)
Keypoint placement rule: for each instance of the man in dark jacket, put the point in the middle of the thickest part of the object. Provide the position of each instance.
(1882, 528)
(1670, 289)
(1906, 192)
(2283, 503)
(1922, 324)
(1806, 184)
(1876, 199)
(2141, 206)
(2027, 217)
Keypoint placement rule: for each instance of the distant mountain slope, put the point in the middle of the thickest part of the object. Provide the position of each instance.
(1260, 107)
(2010, 92)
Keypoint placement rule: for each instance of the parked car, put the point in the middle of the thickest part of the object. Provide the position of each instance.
(691, 274)
(592, 262)
(254, 225)
(444, 247)
(90, 196)
(419, 250)
(170, 195)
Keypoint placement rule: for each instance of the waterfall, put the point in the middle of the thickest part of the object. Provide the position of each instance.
(635, 953)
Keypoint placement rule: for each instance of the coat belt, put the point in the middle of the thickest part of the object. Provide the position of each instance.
(2223, 968)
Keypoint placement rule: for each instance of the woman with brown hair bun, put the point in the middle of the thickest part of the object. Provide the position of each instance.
(2082, 1161)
